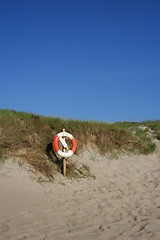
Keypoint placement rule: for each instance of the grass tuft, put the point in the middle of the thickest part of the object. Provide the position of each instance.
(82, 172)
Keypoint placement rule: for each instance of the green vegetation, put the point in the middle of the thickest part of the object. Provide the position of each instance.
(74, 172)
(1, 157)
(155, 126)
(30, 137)
(140, 130)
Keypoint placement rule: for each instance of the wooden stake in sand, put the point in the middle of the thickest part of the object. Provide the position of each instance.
(64, 167)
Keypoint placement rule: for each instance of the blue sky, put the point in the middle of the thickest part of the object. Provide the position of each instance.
(86, 59)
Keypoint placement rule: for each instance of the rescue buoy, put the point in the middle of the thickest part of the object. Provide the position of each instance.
(60, 137)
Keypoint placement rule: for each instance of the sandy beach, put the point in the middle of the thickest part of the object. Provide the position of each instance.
(122, 201)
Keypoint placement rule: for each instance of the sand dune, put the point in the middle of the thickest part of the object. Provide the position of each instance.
(122, 202)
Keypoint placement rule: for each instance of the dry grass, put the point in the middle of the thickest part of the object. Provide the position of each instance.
(30, 136)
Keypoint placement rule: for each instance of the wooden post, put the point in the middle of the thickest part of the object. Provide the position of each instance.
(64, 160)
(64, 167)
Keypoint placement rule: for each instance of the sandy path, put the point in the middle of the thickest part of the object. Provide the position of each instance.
(122, 202)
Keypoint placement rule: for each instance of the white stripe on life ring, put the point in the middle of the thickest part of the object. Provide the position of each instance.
(65, 154)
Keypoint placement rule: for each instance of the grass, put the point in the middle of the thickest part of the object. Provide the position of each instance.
(155, 126)
(29, 136)
(82, 172)
(1, 157)
(143, 144)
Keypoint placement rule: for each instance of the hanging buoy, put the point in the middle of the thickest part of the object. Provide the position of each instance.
(60, 137)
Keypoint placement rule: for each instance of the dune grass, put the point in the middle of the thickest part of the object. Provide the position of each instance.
(155, 126)
(30, 136)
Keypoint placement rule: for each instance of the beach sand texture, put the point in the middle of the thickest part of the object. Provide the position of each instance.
(121, 202)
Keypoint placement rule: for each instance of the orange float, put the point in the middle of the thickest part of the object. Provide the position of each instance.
(60, 137)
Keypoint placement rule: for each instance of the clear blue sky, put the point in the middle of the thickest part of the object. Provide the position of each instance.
(81, 59)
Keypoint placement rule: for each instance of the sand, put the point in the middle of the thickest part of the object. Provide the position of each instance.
(121, 202)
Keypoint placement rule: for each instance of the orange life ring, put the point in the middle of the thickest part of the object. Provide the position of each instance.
(59, 138)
